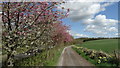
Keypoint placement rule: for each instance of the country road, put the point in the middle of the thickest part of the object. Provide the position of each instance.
(70, 58)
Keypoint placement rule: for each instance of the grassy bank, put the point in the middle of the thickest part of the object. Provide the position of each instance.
(96, 57)
(47, 58)
(106, 45)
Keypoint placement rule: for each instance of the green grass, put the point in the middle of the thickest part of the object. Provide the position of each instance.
(93, 61)
(22, 50)
(54, 60)
(41, 59)
(106, 45)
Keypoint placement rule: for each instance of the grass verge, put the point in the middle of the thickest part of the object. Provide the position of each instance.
(93, 61)
(46, 58)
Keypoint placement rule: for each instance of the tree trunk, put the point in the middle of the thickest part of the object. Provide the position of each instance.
(9, 61)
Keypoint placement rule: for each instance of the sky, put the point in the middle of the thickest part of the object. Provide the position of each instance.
(92, 19)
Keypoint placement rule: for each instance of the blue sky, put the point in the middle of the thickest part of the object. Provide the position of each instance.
(81, 26)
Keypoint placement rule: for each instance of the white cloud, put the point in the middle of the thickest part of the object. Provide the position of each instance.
(101, 20)
(117, 34)
(77, 35)
(84, 10)
(101, 25)
(80, 35)
(113, 29)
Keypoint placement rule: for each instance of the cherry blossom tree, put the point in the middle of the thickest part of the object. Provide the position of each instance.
(28, 24)
(60, 34)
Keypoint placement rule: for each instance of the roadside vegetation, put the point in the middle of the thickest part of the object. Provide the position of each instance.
(98, 58)
(41, 59)
(99, 51)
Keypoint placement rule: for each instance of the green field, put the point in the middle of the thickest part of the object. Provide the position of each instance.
(106, 45)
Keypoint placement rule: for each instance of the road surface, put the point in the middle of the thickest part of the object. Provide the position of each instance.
(70, 58)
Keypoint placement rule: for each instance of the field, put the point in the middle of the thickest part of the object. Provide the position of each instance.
(106, 45)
